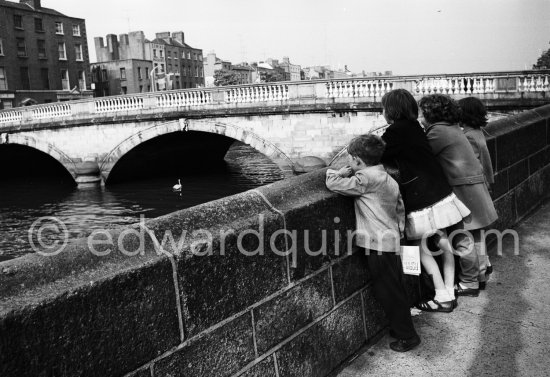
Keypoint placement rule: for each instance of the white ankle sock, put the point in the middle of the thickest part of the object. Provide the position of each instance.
(451, 292)
(442, 295)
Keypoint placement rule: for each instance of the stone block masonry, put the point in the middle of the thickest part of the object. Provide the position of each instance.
(179, 313)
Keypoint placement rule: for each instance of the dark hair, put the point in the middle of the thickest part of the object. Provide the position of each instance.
(399, 104)
(368, 148)
(473, 112)
(439, 108)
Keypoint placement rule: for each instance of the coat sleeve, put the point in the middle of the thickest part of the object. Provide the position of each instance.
(474, 144)
(437, 141)
(351, 186)
(401, 215)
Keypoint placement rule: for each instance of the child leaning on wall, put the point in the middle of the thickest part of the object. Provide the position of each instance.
(473, 117)
(380, 221)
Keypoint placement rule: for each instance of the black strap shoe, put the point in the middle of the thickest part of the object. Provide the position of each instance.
(472, 292)
(404, 345)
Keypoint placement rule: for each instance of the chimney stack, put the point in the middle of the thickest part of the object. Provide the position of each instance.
(35, 4)
(179, 36)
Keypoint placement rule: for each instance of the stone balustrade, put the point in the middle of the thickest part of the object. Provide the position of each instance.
(52, 111)
(282, 93)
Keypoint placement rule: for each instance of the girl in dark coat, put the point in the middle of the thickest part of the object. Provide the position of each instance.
(430, 205)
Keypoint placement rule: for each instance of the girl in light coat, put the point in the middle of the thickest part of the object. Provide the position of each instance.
(439, 114)
(473, 118)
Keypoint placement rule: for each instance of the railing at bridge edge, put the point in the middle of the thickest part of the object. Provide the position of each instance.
(369, 89)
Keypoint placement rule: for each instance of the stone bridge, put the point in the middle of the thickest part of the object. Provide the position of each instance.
(296, 124)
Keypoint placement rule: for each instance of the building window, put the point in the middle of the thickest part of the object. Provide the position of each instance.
(38, 25)
(76, 30)
(124, 90)
(200, 57)
(59, 28)
(189, 55)
(25, 80)
(196, 71)
(123, 73)
(175, 56)
(103, 75)
(3, 81)
(41, 43)
(139, 73)
(65, 85)
(141, 88)
(44, 75)
(161, 53)
(21, 47)
(1, 48)
(162, 67)
(18, 21)
(146, 72)
(200, 71)
(78, 51)
(62, 51)
(82, 80)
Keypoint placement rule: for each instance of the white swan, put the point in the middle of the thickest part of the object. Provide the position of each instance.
(177, 187)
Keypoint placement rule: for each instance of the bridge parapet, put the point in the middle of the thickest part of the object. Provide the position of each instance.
(488, 85)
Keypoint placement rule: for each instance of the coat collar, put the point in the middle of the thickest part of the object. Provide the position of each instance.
(446, 124)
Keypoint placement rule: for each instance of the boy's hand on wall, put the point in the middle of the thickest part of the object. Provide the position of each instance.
(345, 172)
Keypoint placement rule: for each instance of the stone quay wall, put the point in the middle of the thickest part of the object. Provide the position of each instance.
(201, 308)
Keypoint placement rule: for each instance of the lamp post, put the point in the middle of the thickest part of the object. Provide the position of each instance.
(153, 83)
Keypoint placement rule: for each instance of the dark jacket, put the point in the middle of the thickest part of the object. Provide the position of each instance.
(422, 181)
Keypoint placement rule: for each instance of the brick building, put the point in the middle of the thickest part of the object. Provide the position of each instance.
(121, 77)
(168, 60)
(43, 55)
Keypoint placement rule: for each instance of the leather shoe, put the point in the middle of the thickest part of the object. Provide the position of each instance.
(489, 270)
(472, 292)
(404, 345)
(482, 285)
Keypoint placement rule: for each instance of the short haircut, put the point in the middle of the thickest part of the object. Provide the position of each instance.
(473, 112)
(399, 104)
(369, 148)
(439, 108)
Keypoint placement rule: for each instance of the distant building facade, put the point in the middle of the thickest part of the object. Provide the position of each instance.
(43, 55)
(212, 64)
(292, 71)
(170, 63)
(121, 77)
(245, 73)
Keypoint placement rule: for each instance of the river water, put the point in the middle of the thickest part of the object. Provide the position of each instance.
(23, 201)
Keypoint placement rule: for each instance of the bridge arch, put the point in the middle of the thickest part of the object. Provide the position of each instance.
(43, 146)
(182, 125)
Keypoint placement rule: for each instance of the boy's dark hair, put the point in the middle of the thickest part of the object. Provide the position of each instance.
(368, 148)
(439, 108)
(473, 112)
(399, 104)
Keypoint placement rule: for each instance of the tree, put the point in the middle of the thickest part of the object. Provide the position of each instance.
(274, 76)
(224, 77)
(543, 61)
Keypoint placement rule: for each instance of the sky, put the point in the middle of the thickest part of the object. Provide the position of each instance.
(402, 36)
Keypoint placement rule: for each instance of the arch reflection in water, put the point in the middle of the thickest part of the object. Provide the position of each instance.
(24, 200)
